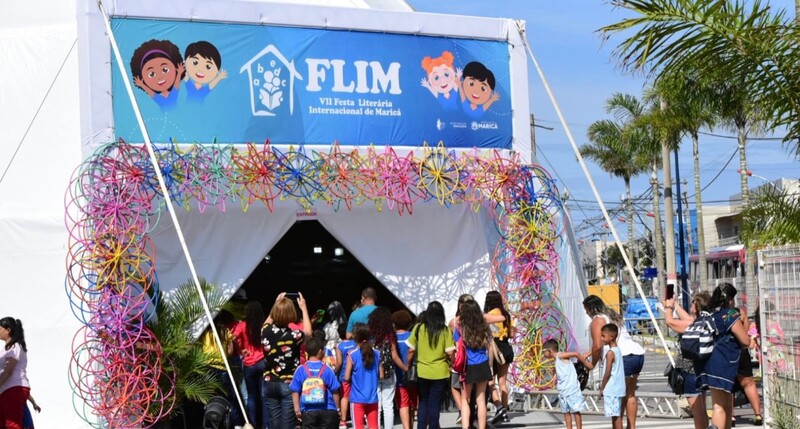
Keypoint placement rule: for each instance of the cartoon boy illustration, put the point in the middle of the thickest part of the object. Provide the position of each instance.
(203, 64)
(442, 80)
(477, 90)
(157, 69)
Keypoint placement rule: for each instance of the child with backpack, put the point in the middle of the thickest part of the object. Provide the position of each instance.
(342, 349)
(406, 397)
(363, 371)
(570, 397)
(315, 390)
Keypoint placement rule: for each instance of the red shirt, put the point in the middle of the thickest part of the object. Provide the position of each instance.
(251, 353)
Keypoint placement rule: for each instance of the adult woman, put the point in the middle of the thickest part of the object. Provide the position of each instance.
(433, 347)
(478, 341)
(501, 332)
(247, 334)
(384, 339)
(691, 391)
(632, 352)
(455, 381)
(281, 358)
(744, 374)
(718, 373)
(14, 386)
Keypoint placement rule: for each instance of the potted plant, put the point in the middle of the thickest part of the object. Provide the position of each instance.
(179, 319)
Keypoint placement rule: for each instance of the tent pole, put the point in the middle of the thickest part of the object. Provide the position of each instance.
(588, 175)
(165, 192)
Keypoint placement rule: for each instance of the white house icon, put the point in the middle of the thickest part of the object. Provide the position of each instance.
(267, 83)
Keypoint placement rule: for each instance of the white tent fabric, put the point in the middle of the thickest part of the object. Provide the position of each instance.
(33, 238)
(444, 251)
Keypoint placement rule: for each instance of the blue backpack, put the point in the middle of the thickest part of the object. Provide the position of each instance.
(697, 342)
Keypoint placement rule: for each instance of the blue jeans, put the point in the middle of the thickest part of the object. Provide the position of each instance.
(256, 406)
(229, 393)
(279, 402)
(431, 394)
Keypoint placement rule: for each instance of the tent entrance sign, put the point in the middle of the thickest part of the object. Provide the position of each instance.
(112, 260)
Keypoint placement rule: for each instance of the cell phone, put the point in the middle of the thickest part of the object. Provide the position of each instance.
(291, 294)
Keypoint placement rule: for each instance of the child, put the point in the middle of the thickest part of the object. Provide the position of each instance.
(203, 64)
(477, 90)
(406, 397)
(342, 349)
(329, 356)
(318, 406)
(363, 372)
(477, 337)
(613, 385)
(569, 389)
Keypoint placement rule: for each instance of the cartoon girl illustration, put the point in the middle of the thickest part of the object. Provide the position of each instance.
(157, 69)
(203, 64)
(442, 80)
(477, 90)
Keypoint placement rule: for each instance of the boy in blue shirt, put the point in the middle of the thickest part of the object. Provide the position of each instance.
(570, 397)
(613, 385)
(315, 390)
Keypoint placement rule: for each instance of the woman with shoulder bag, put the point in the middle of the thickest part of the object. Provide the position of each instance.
(690, 389)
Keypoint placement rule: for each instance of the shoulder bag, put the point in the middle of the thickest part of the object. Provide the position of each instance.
(411, 375)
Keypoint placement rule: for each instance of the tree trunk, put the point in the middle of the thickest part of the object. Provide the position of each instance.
(629, 215)
(702, 269)
(750, 287)
(669, 221)
(659, 240)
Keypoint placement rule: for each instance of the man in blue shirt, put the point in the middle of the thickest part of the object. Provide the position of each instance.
(361, 314)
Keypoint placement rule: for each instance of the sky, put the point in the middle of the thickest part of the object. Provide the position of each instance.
(581, 73)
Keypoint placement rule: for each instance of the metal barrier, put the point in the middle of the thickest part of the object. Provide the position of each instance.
(779, 304)
(650, 404)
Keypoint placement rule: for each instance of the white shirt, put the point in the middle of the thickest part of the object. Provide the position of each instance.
(19, 376)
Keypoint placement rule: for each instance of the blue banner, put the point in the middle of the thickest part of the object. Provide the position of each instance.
(237, 83)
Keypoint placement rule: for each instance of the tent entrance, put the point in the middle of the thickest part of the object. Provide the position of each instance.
(308, 259)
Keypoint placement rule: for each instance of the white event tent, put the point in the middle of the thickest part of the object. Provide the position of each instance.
(55, 110)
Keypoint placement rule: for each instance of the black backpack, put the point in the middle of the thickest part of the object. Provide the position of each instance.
(697, 342)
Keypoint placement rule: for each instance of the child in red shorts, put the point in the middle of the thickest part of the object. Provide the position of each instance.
(405, 396)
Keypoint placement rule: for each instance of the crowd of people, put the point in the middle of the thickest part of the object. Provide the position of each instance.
(361, 361)
(328, 370)
(728, 368)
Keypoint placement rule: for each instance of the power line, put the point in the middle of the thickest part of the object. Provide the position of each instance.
(780, 139)
(718, 173)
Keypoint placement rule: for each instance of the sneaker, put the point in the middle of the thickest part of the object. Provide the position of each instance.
(342, 425)
(458, 417)
(758, 420)
(506, 419)
(498, 415)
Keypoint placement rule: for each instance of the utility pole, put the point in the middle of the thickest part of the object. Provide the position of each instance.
(684, 288)
(669, 227)
(657, 235)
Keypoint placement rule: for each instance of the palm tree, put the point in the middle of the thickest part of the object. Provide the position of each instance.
(690, 98)
(616, 147)
(179, 318)
(731, 38)
(764, 225)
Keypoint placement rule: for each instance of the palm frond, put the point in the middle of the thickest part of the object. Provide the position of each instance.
(746, 42)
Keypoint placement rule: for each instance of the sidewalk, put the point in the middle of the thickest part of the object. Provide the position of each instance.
(518, 420)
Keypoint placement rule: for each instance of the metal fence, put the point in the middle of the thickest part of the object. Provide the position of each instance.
(779, 322)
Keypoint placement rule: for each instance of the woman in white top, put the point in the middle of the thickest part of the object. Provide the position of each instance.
(14, 386)
(632, 352)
